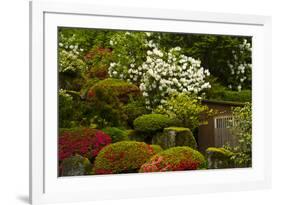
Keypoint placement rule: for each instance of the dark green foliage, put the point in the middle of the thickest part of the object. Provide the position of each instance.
(219, 158)
(106, 108)
(133, 110)
(75, 166)
(116, 134)
(175, 159)
(138, 136)
(219, 92)
(152, 122)
(122, 157)
(175, 136)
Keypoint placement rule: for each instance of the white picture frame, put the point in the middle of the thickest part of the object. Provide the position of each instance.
(46, 187)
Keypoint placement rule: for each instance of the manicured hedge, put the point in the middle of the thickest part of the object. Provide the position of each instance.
(152, 122)
(123, 157)
(75, 166)
(86, 142)
(175, 159)
(229, 95)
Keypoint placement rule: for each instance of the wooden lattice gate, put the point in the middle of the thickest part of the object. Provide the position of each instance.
(222, 127)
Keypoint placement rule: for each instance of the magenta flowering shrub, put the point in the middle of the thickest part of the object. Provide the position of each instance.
(86, 142)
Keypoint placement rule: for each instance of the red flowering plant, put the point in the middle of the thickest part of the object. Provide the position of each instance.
(86, 142)
(175, 159)
(123, 157)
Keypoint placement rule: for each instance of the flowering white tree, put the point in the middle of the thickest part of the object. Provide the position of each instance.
(239, 67)
(69, 55)
(161, 73)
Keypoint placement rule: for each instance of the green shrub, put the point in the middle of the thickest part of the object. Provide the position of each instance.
(219, 92)
(133, 110)
(106, 108)
(116, 134)
(219, 158)
(186, 108)
(122, 157)
(175, 136)
(75, 166)
(119, 88)
(152, 122)
(156, 148)
(242, 130)
(175, 159)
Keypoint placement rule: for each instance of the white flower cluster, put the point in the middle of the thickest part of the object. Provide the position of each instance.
(69, 55)
(69, 44)
(160, 77)
(239, 68)
(164, 74)
(161, 74)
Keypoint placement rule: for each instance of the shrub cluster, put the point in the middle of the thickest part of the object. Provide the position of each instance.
(86, 142)
(218, 92)
(123, 157)
(116, 134)
(120, 88)
(175, 159)
(152, 122)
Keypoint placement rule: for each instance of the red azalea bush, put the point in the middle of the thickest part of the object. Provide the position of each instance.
(175, 159)
(123, 157)
(86, 142)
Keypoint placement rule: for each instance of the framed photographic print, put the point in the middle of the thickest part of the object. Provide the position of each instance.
(130, 102)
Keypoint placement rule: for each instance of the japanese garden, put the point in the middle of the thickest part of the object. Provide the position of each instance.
(140, 102)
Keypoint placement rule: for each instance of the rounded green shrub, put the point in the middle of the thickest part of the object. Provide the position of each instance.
(219, 158)
(116, 134)
(152, 122)
(75, 166)
(122, 157)
(175, 159)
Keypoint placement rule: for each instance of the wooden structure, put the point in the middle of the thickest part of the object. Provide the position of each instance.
(217, 133)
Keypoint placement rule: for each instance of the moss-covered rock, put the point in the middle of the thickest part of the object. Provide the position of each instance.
(152, 122)
(175, 136)
(122, 89)
(75, 166)
(123, 157)
(175, 159)
(219, 158)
